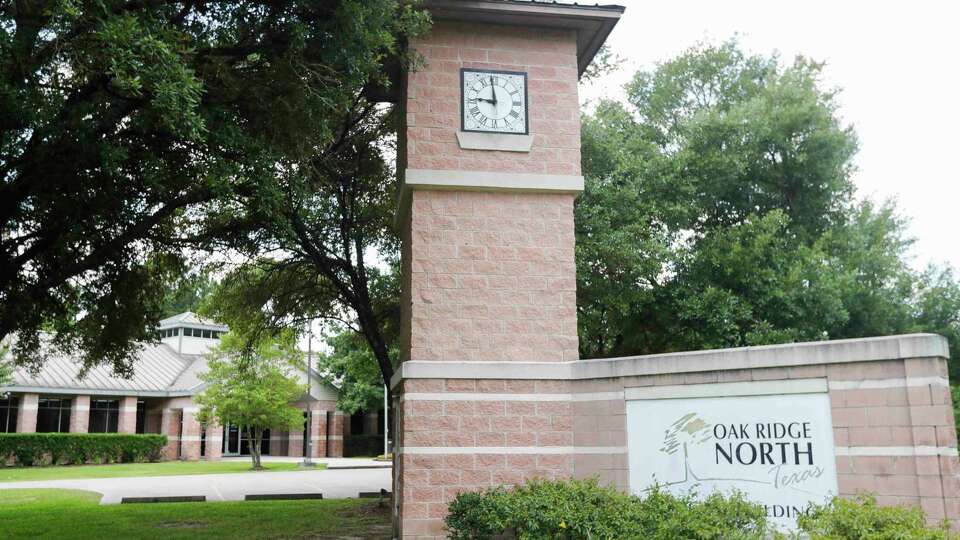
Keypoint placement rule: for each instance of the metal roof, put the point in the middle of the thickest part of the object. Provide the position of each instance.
(158, 371)
(192, 320)
(155, 372)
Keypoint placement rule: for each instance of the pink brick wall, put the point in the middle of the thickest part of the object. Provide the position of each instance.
(213, 447)
(491, 277)
(429, 479)
(80, 414)
(433, 97)
(27, 413)
(127, 418)
(190, 437)
(170, 426)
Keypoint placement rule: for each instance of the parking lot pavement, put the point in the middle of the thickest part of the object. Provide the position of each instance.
(332, 483)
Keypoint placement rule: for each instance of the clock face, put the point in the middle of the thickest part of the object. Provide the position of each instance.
(494, 101)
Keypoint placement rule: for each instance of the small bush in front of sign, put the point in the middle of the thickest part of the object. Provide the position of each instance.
(862, 518)
(582, 509)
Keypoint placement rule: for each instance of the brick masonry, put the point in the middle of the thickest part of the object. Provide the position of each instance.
(488, 276)
(80, 414)
(468, 434)
(489, 281)
(549, 57)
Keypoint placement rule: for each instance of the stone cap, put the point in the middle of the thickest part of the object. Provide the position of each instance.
(787, 355)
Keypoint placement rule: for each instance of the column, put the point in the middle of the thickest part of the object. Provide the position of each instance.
(489, 275)
(214, 442)
(335, 437)
(277, 438)
(318, 432)
(127, 421)
(27, 413)
(80, 414)
(170, 426)
(190, 436)
(295, 437)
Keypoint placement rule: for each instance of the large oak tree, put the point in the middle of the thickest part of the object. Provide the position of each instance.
(123, 122)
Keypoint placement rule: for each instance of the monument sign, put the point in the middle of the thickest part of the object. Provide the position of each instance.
(490, 390)
(776, 449)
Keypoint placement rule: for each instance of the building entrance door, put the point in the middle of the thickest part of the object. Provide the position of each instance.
(231, 440)
(236, 442)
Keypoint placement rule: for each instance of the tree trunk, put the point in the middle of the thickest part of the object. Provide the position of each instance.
(254, 435)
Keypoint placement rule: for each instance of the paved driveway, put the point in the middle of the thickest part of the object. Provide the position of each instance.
(333, 483)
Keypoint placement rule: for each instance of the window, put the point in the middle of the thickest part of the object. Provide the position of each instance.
(104, 415)
(141, 416)
(8, 415)
(53, 415)
(206, 334)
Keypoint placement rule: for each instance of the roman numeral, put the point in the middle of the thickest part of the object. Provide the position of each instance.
(517, 104)
(515, 114)
(475, 111)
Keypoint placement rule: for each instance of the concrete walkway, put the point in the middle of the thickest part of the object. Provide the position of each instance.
(331, 463)
(333, 483)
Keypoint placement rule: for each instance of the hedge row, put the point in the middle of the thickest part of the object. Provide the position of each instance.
(29, 449)
(583, 510)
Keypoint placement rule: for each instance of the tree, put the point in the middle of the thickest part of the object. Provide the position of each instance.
(351, 367)
(6, 369)
(325, 223)
(251, 385)
(188, 292)
(122, 123)
(719, 212)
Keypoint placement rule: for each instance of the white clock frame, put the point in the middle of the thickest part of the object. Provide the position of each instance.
(463, 102)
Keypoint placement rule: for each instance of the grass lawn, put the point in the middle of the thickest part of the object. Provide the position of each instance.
(166, 468)
(68, 514)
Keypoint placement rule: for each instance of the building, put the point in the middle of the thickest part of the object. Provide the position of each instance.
(159, 398)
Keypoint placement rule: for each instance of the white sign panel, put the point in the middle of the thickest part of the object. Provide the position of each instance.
(775, 449)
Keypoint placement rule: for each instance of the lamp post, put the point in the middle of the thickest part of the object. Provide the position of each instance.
(308, 443)
(386, 423)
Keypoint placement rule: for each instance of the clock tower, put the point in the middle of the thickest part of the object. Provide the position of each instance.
(489, 161)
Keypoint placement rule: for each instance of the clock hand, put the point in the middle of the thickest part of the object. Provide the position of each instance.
(493, 90)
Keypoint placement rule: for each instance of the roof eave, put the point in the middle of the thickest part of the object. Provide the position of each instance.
(592, 23)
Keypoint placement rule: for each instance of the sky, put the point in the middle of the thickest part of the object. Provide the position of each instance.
(897, 65)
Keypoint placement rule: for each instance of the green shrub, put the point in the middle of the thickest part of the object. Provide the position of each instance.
(862, 519)
(582, 509)
(29, 449)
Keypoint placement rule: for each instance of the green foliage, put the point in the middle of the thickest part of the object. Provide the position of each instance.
(719, 212)
(581, 509)
(955, 397)
(188, 293)
(32, 449)
(133, 133)
(350, 365)
(862, 519)
(251, 385)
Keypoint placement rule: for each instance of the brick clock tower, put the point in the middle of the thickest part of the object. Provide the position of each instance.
(489, 162)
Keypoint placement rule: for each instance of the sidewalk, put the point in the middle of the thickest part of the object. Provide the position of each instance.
(332, 483)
